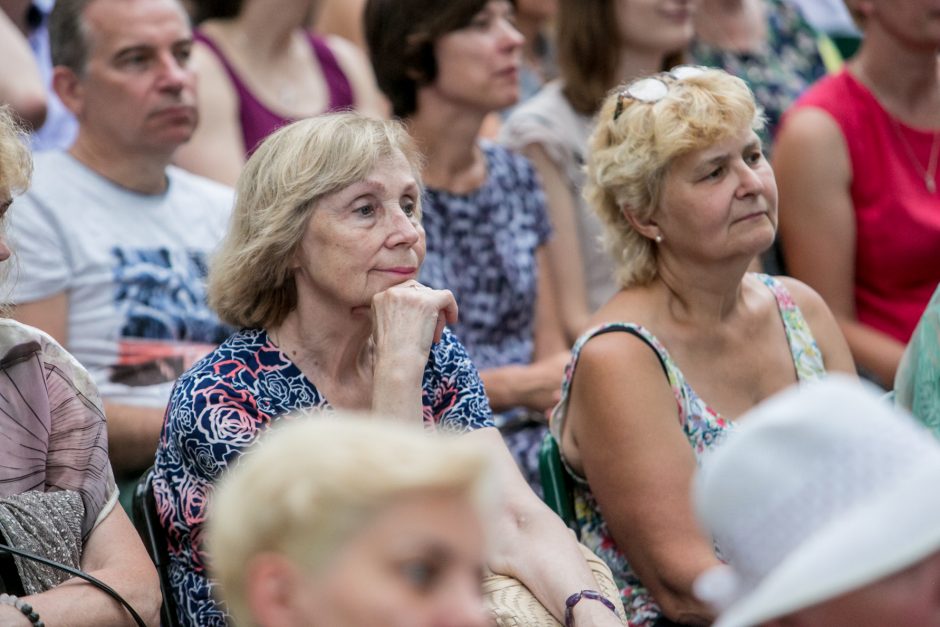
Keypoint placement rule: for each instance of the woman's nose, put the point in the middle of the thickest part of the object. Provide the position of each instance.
(512, 38)
(465, 609)
(750, 181)
(403, 229)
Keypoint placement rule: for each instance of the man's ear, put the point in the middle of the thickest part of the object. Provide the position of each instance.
(271, 589)
(69, 88)
(646, 227)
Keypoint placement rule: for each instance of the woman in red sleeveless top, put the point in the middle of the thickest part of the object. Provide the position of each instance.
(856, 163)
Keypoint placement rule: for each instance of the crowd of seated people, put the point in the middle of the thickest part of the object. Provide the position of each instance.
(58, 497)
(524, 223)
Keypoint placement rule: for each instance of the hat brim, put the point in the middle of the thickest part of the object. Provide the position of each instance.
(873, 541)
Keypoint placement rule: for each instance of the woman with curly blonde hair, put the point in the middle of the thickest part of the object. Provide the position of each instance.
(691, 340)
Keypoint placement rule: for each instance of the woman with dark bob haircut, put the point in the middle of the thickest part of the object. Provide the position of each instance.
(319, 271)
(445, 68)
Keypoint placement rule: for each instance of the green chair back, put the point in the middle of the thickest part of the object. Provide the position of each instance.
(557, 485)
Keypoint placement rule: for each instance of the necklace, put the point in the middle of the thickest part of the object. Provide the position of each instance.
(930, 172)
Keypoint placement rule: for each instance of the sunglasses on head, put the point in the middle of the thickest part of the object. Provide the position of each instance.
(653, 89)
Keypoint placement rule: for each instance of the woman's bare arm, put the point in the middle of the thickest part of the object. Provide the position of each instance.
(114, 554)
(216, 150)
(817, 229)
(631, 448)
(530, 543)
(366, 95)
(563, 256)
(21, 84)
(536, 385)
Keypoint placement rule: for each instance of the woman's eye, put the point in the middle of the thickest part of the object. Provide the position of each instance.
(714, 174)
(422, 575)
(365, 210)
(480, 21)
(755, 157)
(409, 207)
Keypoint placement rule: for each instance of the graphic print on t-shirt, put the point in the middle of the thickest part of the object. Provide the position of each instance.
(160, 296)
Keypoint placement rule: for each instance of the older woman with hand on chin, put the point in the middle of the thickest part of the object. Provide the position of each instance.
(318, 270)
(691, 340)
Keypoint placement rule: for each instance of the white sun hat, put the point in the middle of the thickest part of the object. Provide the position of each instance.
(821, 490)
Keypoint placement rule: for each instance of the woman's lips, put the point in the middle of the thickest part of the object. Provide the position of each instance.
(400, 270)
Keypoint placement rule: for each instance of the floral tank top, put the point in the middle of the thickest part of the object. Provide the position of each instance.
(702, 425)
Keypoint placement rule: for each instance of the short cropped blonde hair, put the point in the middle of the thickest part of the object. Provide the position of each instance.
(16, 168)
(16, 164)
(629, 157)
(251, 283)
(311, 483)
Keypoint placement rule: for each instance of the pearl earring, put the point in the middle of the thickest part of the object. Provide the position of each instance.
(659, 239)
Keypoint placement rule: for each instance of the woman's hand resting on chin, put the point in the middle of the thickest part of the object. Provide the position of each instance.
(406, 320)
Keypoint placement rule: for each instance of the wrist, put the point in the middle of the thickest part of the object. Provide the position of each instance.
(399, 370)
(587, 603)
(12, 605)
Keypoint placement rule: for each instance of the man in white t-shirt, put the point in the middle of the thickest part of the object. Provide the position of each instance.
(111, 241)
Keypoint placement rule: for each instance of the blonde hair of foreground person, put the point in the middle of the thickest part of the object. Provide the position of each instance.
(251, 283)
(16, 168)
(629, 156)
(15, 163)
(313, 482)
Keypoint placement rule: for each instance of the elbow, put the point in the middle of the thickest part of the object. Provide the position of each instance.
(145, 598)
(679, 604)
(521, 528)
(31, 108)
(684, 613)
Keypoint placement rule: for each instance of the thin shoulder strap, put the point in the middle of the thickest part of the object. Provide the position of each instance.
(807, 358)
(341, 92)
(560, 411)
(202, 38)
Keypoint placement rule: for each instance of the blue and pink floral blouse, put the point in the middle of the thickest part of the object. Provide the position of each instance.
(223, 404)
(702, 425)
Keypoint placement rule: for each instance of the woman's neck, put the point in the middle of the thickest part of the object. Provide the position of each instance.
(906, 80)
(702, 294)
(447, 138)
(336, 345)
(636, 64)
(739, 25)
(265, 33)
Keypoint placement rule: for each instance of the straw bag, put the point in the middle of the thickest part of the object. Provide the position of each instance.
(512, 605)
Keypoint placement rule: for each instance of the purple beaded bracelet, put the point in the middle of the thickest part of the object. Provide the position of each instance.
(573, 600)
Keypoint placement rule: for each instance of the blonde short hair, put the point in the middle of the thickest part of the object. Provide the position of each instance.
(16, 168)
(312, 482)
(629, 157)
(16, 164)
(251, 283)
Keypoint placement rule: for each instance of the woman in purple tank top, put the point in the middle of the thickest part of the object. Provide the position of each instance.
(260, 69)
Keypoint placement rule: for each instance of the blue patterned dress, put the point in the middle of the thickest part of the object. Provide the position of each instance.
(220, 407)
(703, 427)
(781, 70)
(482, 247)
